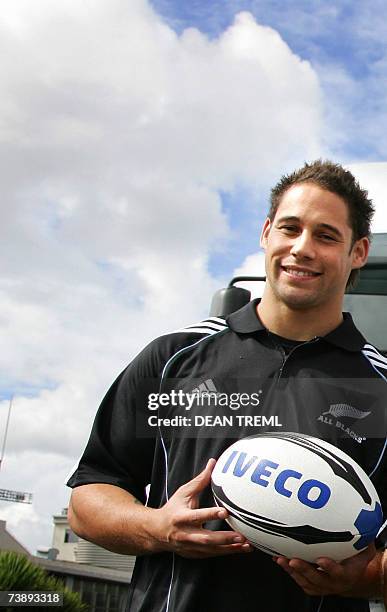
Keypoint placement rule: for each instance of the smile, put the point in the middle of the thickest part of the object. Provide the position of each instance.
(300, 273)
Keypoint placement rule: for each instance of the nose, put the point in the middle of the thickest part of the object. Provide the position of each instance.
(303, 246)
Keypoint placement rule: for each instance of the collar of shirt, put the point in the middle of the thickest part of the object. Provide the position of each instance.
(346, 335)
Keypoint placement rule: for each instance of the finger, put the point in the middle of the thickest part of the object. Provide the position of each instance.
(282, 562)
(200, 552)
(305, 585)
(361, 559)
(329, 566)
(300, 579)
(304, 567)
(310, 574)
(200, 482)
(305, 574)
(231, 549)
(205, 537)
(203, 515)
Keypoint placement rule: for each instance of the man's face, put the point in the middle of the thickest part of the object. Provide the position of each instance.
(308, 248)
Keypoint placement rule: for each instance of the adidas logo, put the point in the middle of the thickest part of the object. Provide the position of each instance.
(346, 411)
(205, 388)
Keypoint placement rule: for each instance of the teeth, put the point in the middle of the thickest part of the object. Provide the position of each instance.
(299, 272)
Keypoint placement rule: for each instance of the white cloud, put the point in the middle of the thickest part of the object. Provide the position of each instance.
(40, 473)
(116, 137)
(373, 177)
(253, 265)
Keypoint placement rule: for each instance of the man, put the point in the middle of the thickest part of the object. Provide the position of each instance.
(292, 344)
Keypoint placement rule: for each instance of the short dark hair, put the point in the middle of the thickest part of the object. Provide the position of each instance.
(334, 178)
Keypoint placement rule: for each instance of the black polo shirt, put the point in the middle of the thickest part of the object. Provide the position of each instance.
(332, 387)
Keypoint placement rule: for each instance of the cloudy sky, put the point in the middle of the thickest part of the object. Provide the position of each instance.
(138, 143)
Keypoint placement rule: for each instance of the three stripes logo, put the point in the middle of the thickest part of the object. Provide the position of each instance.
(208, 327)
(205, 388)
(376, 359)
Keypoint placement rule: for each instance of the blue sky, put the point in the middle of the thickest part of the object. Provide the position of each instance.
(346, 36)
(245, 218)
(345, 41)
(341, 32)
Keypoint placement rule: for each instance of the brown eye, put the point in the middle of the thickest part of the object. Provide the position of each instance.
(289, 228)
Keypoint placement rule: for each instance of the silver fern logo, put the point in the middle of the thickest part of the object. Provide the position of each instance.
(346, 411)
(337, 416)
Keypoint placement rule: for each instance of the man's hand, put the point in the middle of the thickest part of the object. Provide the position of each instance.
(348, 578)
(113, 518)
(178, 525)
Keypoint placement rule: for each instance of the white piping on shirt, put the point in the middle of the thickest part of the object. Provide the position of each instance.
(374, 366)
(321, 603)
(185, 348)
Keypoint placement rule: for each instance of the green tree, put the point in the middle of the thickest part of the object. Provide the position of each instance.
(18, 573)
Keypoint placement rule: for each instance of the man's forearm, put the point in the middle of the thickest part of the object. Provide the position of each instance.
(112, 518)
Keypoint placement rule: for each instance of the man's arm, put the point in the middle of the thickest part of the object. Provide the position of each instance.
(115, 519)
(359, 576)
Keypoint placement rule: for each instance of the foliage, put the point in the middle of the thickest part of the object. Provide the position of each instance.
(18, 573)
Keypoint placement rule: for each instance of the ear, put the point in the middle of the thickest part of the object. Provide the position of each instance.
(360, 252)
(265, 233)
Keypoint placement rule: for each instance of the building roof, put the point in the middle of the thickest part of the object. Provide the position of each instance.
(83, 570)
(8, 542)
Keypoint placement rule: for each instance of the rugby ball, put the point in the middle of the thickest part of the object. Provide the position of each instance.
(294, 495)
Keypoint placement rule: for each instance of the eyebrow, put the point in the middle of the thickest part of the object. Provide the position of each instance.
(326, 226)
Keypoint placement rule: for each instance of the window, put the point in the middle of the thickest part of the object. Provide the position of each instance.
(70, 537)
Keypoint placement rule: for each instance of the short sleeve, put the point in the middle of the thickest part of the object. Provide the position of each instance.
(115, 453)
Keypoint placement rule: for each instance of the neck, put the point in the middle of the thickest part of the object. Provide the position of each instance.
(297, 323)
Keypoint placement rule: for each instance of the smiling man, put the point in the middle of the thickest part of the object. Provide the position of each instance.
(311, 253)
(297, 348)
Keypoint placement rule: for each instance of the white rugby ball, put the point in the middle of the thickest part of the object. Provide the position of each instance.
(294, 495)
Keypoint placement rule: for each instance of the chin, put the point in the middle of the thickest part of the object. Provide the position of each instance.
(299, 302)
